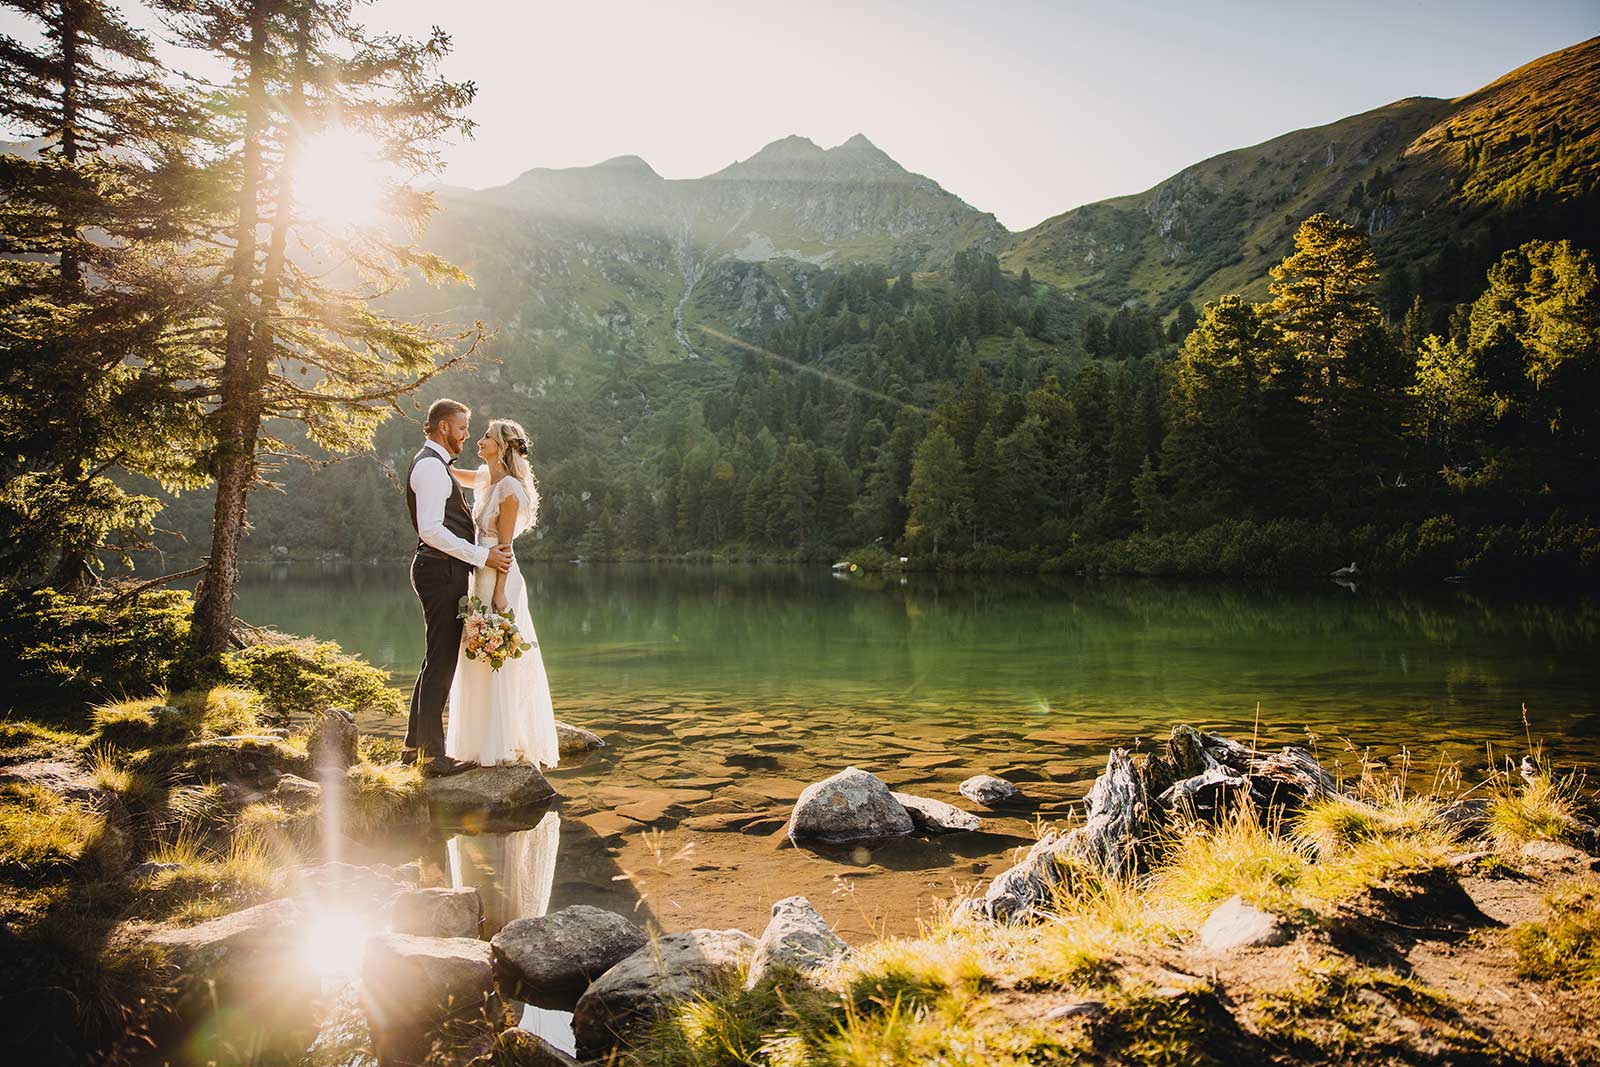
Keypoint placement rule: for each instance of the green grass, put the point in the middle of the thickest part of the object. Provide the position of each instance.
(1565, 946)
(43, 834)
(207, 881)
(381, 796)
(1335, 824)
(1544, 809)
(1241, 854)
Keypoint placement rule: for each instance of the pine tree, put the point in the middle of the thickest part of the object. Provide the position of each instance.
(284, 341)
(940, 498)
(90, 381)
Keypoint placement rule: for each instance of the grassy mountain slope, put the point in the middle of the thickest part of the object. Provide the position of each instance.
(1416, 174)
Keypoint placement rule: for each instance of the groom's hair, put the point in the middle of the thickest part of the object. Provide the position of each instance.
(441, 409)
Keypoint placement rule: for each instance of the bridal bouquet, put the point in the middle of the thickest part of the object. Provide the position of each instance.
(490, 635)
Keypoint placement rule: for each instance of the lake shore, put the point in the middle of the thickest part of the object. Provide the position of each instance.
(171, 813)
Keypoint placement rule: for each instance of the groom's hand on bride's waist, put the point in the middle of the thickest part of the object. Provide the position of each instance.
(499, 558)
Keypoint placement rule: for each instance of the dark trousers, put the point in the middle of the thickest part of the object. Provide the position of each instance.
(439, 582)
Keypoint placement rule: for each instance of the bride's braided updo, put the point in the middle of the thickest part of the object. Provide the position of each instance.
(513, 442)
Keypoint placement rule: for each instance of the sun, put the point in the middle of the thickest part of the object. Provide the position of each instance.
(342, 178)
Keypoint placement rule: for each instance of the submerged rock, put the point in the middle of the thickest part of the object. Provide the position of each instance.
(852, 805)
(797, 940)
(411, 984)
(635, 990)
(490, 791)
(1233, 924)
(436, 912)
(553, 958)
(571, 740)
(987, 789)
(936, 816)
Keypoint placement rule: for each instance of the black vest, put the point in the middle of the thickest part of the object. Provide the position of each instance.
(457, 516)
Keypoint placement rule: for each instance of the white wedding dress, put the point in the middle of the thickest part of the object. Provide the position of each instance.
(502, 716)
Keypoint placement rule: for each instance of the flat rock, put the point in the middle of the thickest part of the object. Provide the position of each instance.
(346, 885)
(436, 912)
(936, 816)
(410, 984)
(552, 958)
(796, 942)
(293, 792)
(929, 760)
(669, 969)
(1234, 925)
(1555, 852)
(570, 740)
(989, 790)
(608, 824)
(490, 791)
(1077, 1009)
(852, 805)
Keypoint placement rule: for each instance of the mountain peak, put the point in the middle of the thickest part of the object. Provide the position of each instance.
(796, 158)
(633, 163)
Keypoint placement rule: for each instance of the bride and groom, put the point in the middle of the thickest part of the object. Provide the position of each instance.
(496, 716)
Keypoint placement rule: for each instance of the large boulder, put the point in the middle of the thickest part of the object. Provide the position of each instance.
(409, 985)
(245, 979)
(935, 816)
(490, 791)
(337, 886)
(797, 941)
(571, 740)
(669, 969)
(853, 805)
(436, 912)
(334, 741)
(551, 959)
(294, 792)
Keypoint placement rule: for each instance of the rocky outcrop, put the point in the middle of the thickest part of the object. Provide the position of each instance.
(853, 805)
(796, 942)
(411, 984)
(294, 792)
(571, 740)
(989, 790)
(551, 959)
(490, 792)
(935, 816)
(436, 912)
(669, 969)
(347, 886)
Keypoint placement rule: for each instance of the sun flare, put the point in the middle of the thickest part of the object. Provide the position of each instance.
(342, 178)
(335, 942)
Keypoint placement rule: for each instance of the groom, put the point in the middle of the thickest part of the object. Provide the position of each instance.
(441, 572)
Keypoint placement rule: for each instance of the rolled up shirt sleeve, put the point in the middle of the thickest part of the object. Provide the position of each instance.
(431, 484)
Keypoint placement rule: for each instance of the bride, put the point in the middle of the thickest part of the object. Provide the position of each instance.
(502, 716)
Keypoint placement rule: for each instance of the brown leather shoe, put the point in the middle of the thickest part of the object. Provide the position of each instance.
(408, 756)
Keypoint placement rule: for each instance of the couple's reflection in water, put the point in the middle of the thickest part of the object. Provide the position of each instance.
(514, 874)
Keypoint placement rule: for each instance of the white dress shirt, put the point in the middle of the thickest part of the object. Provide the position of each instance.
(432, 486)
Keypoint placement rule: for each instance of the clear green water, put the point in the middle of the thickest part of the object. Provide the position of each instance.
(1382, 666)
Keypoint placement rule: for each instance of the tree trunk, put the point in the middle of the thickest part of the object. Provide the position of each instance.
(238, 417)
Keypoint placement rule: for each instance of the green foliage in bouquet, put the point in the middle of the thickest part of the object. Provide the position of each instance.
(489, 635)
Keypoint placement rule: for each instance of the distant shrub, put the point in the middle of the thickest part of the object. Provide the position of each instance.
(304, 676)
(70, 652)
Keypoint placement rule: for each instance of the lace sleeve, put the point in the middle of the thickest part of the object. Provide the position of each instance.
(525, 507)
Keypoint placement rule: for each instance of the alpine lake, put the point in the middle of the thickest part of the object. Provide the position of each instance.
(721, 692)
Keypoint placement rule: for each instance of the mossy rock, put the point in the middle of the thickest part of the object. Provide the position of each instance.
(253, 759)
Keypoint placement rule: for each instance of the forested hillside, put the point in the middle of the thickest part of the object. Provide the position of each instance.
(814, 351)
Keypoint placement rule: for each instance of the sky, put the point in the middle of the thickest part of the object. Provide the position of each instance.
(1024, 109)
